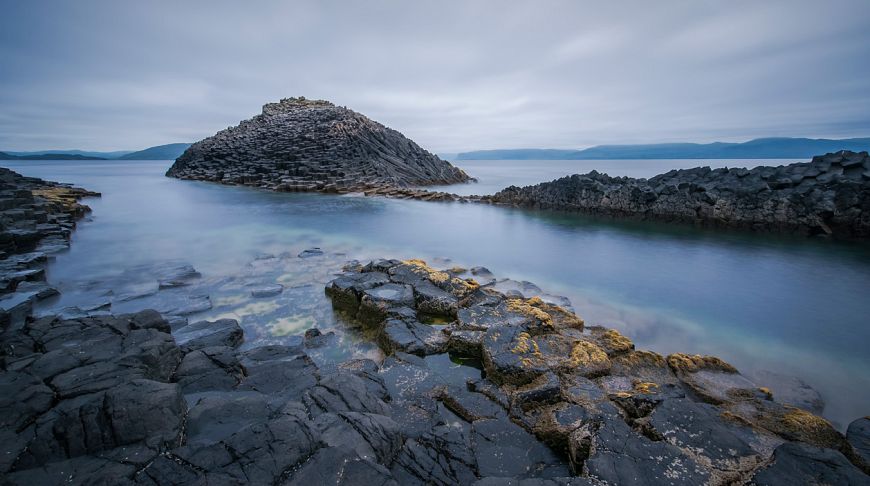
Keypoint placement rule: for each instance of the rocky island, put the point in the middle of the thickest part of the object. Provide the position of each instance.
(828, 196)
(314, 146)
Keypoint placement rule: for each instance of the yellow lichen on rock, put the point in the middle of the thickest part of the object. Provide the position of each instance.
(614, 342)
(525, 307)
(548, 314)
(422, 269)
(801, 420)
(585, 353)
(455, 285)
(638, 359)
(526, 345)
(646, 387)
(462, 287)
(692, 363)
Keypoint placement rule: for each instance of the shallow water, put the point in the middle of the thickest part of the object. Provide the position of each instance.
(789, 305)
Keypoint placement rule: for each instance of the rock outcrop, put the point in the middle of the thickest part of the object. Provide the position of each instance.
(305, 145)
(36, 219)
(613, 414)
(130, 399)
(828, 196)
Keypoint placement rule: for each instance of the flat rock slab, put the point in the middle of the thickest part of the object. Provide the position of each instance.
(267, 291)
(202, 334)
(796, 463)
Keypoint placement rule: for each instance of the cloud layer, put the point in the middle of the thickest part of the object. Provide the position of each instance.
(451, 75)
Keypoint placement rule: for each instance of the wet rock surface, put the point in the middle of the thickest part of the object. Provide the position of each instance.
(313, 146)
(605, 411)
(37, 218)
(542, 397)
(828, 196)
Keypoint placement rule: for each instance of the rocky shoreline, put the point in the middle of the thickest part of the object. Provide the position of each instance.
(478, 382)
(37, 218)
(828, 196)
(300, 145)
(547, 400)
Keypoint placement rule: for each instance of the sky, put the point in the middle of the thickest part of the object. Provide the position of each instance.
(452, 75)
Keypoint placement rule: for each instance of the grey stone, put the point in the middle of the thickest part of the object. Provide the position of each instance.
(796, 463)
(203, 334)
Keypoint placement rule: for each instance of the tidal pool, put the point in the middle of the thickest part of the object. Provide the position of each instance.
(790, 305)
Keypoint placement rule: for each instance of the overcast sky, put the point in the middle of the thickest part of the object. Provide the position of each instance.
(453, 76)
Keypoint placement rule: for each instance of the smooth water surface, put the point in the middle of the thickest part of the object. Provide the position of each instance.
(788, 305)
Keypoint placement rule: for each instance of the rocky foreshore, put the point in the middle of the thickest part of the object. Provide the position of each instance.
(828, 196)
(542, 398)
(37, 218)
(300, 145)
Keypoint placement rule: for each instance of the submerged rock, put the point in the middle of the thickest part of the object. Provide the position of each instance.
(313, 145)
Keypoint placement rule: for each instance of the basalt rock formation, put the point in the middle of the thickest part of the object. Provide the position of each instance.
(609, 412)
(36, 219)
(132, 399)
(828, 196)
(304, 145)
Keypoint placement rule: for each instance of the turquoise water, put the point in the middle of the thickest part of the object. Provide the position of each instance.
(789, 305)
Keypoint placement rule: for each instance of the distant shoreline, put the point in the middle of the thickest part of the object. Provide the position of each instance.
(762, 148)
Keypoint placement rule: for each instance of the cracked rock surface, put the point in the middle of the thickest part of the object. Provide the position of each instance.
(547, 400)
(313, 146)
(37, 218)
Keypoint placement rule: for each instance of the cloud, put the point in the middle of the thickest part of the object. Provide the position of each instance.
(453, 75)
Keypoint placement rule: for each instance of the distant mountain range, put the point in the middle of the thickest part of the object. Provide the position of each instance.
(161, 152)
(761, 148)
(52, 156)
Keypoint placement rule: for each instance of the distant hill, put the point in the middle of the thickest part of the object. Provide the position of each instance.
(85, 153)
(161, 152)
(761, 148)
(7, 156)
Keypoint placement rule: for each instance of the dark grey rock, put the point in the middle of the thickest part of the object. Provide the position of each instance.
(321, 469)
(344, 392)
(373, 437)
(209, 368)
(611, 452)
(796, 463)
(699, 427)
(828, 201)
(442, 456)
(411, 336)
(466, 343)
(469, 405)
(789, 390)
(375, 301)
(433, 300)
(503, 448)
(203, 334)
